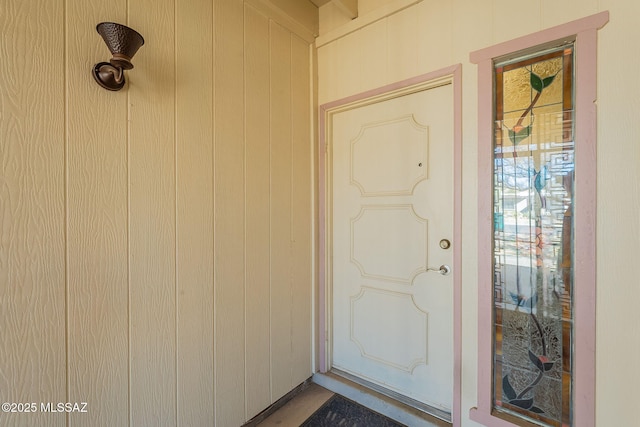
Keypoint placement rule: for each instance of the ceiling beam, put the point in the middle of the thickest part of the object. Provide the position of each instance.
(349, 7)
(319, 3)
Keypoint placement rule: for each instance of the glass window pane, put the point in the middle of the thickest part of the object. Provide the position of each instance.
(533, 235)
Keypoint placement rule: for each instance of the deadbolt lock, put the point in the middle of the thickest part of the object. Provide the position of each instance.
(445, 244)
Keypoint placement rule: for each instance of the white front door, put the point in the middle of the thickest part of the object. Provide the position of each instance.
(392, 215)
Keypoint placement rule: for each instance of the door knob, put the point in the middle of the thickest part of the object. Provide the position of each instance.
(445, 244)
(444, 269)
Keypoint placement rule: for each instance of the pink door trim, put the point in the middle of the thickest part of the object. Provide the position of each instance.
(455, 72)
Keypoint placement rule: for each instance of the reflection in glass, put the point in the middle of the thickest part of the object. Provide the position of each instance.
(533, 228)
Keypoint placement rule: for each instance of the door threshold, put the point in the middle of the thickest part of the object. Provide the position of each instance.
(397, 407)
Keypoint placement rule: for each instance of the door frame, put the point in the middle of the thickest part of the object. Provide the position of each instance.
(450, 75)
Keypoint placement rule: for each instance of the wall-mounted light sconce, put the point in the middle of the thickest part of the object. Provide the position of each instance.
(123, 42)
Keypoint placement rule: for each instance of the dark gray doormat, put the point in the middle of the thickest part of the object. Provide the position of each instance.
(339, 411)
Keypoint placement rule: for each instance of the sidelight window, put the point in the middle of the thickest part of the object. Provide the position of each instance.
(533, 180)
(536, 228)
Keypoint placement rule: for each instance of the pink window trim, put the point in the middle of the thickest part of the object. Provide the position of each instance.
(584, 32)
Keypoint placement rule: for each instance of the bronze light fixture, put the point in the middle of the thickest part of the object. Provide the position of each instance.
(123, 42)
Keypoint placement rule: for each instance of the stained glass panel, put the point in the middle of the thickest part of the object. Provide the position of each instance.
(533, 234)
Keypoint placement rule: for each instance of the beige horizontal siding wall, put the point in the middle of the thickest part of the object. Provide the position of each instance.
(433, 34)
(155, 243)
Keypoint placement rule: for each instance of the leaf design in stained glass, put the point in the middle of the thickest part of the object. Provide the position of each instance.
(518, 90)
(518, 135)
(538, 83)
